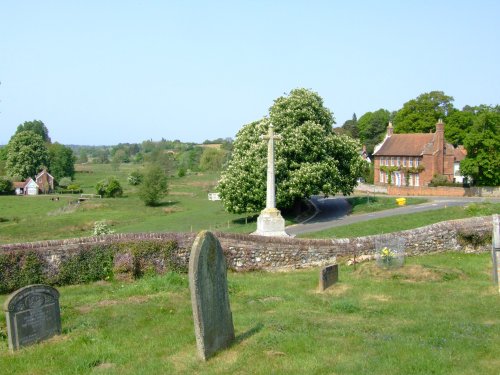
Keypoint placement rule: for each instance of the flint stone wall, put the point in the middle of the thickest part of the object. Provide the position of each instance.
(244, 252)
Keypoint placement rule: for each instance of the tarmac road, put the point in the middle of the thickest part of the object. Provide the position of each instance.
(334, 212)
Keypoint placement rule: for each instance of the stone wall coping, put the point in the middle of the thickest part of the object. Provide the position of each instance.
(188, 236)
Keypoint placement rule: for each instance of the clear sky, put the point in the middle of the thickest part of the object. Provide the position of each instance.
(105, 72)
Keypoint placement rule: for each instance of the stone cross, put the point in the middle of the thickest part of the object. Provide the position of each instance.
(271, 189)
(270, 222)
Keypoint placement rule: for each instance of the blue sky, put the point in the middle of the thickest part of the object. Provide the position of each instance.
(105, 72)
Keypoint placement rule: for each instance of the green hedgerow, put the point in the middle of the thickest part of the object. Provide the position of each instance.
(18, 269)
(91, 264)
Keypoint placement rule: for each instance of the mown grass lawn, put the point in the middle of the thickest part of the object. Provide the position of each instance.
(439, 314)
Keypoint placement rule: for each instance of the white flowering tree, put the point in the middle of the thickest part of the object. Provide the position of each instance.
(310, 158)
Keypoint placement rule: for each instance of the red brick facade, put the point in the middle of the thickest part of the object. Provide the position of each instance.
(413, 159)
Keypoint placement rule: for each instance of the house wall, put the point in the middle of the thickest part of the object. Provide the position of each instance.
(430, 163)
(444, 191)
(31, 189)
(45, 182)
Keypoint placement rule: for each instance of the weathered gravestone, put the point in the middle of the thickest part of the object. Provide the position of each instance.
(495, 250)
(328, 276)
(213, 321)
(32, 315)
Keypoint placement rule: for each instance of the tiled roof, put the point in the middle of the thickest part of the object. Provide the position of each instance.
(405, 144)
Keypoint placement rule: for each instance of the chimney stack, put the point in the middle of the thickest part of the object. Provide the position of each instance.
(390, 129)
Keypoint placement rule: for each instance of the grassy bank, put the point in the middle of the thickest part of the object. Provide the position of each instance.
(437, 315)
(404, 222)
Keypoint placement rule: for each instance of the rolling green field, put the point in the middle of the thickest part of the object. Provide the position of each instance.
(439, 314)
(186, 208)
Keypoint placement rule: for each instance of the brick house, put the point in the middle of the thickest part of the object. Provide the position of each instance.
(414, 159)
(45, 181)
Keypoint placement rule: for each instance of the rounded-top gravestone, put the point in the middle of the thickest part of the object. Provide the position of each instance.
(213, 321)
(33, 315)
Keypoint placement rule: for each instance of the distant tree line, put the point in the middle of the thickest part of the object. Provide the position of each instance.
(174, 157)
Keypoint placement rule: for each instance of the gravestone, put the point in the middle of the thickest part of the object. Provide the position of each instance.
(213, 320)
(495, 249)
(32, 315)
(328, 276)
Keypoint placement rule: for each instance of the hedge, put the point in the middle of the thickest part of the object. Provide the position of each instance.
(87, 264)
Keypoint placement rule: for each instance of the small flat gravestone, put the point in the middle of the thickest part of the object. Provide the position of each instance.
(213, 320)
(32, 315)
(328, 276)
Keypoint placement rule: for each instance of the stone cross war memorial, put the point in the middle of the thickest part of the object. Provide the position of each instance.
(213, 320)
(33, 315)
(270, 222)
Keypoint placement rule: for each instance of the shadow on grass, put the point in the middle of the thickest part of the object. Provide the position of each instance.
(246, 335)
(166, 204)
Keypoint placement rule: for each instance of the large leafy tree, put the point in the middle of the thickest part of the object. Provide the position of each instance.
(154, 186)
(36, 126)
(421, 114)
(61, 161)
(483, 150)
(351, 127)
(26, 154)
(372, 127)
(310, 158)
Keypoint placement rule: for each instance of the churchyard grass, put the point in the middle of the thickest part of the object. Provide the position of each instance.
(404, 222)
(436, 315)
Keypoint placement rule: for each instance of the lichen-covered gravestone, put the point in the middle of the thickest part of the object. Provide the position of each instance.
(328, 276)
(213, 320)
(33, 315)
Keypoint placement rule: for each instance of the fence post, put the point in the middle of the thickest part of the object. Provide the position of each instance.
(495, 249)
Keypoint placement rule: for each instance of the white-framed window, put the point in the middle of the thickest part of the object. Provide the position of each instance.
(417, 162)
(398, 162)
(392, 161)
(410, 162)
(410, 180)
(381, 176)
(404, 161)
(417, 180)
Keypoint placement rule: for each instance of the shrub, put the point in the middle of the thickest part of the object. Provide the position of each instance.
(87, 265)
(65, 182)
(154, 186)
(6, 186)
(20, 269)
(473, 238)
(102, 227)
(109, 188)
(135, 178)
(440, 180)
